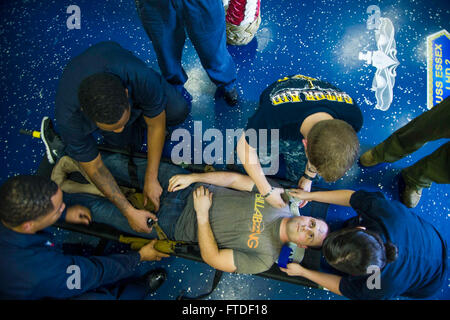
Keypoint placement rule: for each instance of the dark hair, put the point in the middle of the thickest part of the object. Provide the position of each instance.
(332, 148)
(103, 98)
(353, 250)
(24, 198)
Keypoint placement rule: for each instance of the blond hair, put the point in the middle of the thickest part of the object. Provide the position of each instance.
(332, 148)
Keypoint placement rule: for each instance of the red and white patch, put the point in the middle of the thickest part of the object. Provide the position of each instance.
(242, 12)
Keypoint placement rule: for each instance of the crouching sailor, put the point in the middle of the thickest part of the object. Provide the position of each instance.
(385, 252)
(32, 267)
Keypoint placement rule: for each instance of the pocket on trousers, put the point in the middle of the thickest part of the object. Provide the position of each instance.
(169, 214)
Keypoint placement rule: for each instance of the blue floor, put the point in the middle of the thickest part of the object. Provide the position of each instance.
(315, 38)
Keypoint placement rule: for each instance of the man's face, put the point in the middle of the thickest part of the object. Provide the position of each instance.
(50, 218)
(306, 231)
(119, 125)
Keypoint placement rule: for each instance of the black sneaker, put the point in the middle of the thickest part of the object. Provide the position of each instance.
(231, 97)
(154, 279)
(53, 144)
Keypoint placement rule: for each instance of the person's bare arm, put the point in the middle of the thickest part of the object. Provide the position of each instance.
(338, 197)
(326, 280)
(156, 133)
(225, 179)
(105, 182)
(220, 259)
(249, 159)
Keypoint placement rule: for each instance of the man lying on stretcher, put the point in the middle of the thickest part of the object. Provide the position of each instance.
(236, 229)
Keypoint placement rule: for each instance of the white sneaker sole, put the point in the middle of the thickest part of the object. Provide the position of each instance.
(47, 147)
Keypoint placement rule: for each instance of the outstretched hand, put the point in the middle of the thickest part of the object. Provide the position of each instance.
(79, 215)
(275, 199)
(179, 182)
(202, 203)
(293, 269)
(152, 192)
(305, 185)
(300, 194)
(138, 219)
(149, 253)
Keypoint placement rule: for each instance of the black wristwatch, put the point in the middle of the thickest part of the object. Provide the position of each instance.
(306, 176)
(268, 193)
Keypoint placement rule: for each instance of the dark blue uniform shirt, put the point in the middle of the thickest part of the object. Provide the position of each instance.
(286, 103)
(32, 267)
(421, 267)
(146, 89)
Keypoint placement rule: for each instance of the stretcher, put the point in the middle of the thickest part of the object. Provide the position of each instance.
(105, 233)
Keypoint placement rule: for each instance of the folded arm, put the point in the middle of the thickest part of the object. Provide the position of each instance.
(220, 259)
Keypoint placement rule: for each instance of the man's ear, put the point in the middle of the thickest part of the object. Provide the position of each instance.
(305, 143)
(27, 227)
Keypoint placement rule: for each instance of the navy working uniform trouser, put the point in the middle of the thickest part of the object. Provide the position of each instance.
(431, 125)
(166, 23)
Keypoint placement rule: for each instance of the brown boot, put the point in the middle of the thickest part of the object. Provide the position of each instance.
(411, 196)
(367, 159)
(60, 175)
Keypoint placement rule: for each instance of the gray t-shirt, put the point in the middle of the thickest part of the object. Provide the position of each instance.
(241, 221)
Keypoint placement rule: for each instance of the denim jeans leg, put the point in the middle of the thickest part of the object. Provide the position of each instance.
(171, 203)
(118, 166)
(103, 211)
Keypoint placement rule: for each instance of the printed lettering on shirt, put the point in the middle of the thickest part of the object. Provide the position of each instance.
(257, 223)
(293, 95)
(286, 95)
(311, 92)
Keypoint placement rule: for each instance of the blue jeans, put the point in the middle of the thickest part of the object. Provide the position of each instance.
(103, 211)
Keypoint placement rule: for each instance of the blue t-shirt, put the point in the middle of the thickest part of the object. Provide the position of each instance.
(287, 102)
(421, 267)
(146, 91)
